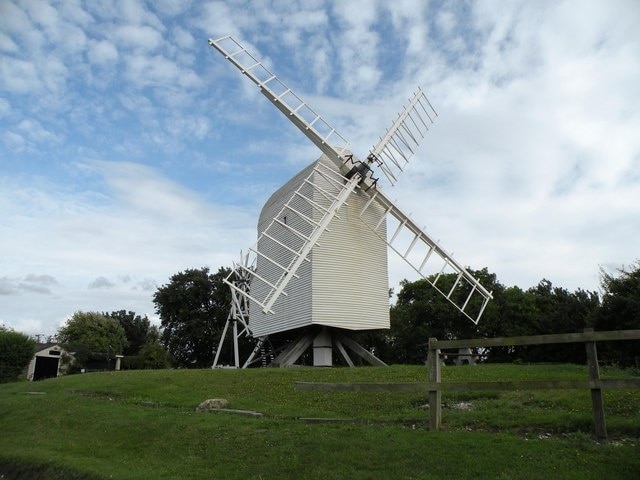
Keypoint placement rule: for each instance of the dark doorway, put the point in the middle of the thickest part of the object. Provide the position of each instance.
(45, 368)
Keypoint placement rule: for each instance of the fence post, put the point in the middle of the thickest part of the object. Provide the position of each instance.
(596, 391)
(435, 396)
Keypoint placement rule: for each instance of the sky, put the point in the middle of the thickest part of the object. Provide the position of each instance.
(130, 150)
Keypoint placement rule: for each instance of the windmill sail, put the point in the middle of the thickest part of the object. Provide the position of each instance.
(307, 213)
(428, 258)
(399, 142)
(323, 135)
(306, 231)
(292, 233)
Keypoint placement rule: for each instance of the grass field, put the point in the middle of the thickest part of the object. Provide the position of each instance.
(142, 425)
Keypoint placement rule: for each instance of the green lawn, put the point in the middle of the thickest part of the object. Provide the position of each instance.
(142, 425)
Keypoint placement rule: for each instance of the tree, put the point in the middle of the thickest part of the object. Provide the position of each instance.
(138, 330)
(558, 311)
(92, 336)
(154, 356)
(540, 310)
(620, 310)
(512, 310)
(16, 351)
(143, 350)
(193, 309)
(422, 312)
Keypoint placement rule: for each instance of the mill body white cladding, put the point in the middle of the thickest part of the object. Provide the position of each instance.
(345, 282)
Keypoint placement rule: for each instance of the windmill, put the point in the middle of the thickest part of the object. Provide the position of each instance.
(320, 262)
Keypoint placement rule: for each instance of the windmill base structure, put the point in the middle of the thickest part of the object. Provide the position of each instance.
(319, 267)
(325, 343)
(342, 287)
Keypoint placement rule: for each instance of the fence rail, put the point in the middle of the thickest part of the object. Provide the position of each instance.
(586, 336)
(434, 387)
(505, 386)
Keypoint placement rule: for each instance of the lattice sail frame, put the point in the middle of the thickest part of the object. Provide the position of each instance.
(391, 154)
(305, 230)
(398, 144)
(239, 312)
(425, 255)
(323, 135)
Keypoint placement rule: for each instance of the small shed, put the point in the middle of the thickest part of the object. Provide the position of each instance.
(46, 362)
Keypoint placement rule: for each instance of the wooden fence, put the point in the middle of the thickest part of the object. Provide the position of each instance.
(434, 387)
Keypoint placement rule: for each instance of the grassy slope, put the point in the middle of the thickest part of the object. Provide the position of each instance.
(142, 425)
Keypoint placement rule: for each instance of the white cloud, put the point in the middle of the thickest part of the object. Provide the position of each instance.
(183, 38)
(359, 46)
(42, 14)
(19, 76)
(36, 132)
(14, 141)
(34, 288)
(216, 20)
(143, 227)
(52, 29)
(446, 21)
(104, 11)
(158, 70)
(171, 7)
(7, 286)
(532, 151)
(145, 191)
(135, 12)
(42, 279)
(102, 52)
(407, 17)
(188, 126)
(38, 284)
(101, 282)
(147, 285)
(140, 37)
(7, 44)
(309, 19)
(13, 19)
(73, 40)
(532, 168)
(73, 11)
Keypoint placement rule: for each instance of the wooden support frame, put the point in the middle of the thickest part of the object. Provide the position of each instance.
(359, 350)
(340, 340)
(596, 392)
(588, 337)
(435, 395)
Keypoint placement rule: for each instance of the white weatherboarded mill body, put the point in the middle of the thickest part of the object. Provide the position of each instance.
(345, 282)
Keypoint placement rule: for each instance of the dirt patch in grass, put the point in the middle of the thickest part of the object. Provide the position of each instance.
(27, 470)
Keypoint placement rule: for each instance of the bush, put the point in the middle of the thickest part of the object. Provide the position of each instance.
(16, 351)
(93, 338)
(155, 356)
(152, 356)
(620, 310)
(132, 362)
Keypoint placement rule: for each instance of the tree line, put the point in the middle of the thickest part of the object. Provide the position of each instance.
(96, 338)
(193, 308)
(420, 313)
